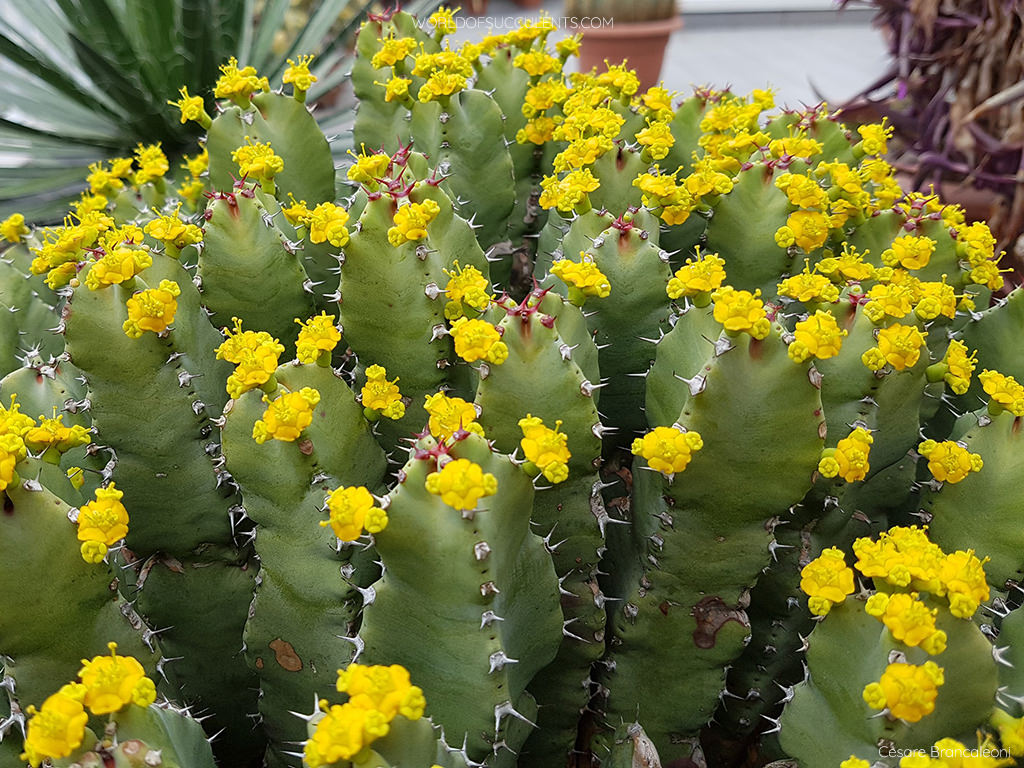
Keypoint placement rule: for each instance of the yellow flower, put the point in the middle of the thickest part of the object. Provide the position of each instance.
(113, 682)
(542, 96)
(382, 689)
(319, 334)
(667, 449)
(949, 462)
(411, 222)
(286, 416)
(152, 163)
(192, 191)
(802, 191)
(441, 83)
(583, 278)
(976, 242)
(257, 160)
(909, 252)
(1011, 732)
(197, 165)
(906, 690)
(568, 192)
(13, 421)
(704, 274)
(467, 287)
(450, 414)
(255, 356)
(545, 448)
(741, 311)
(936, 298)
(116, 266)
(51, 433)
(1003, 390)
(570, 46)
(581, 152)
(898, 345)
(12, 450)
(707, 181)
(171, 230)
(874, 137)
(854, 762)
(102, 523)
(536, 63)
(239, 84)
(657, 138)
(478, 340)
(56, 730)
(621, 79)
(849, 459)
(826, 580)
(152, 309)
(392, 50)
(659, 101)
(342, 734)
(381, 395)
(807, 286)
(908, 619)
(461, 484)
(806, 229)
(959, 366)
(443, 20)
(351, 511)
(396, 89)
(327, 224)
(988, 274)
(191, 108)
(962, 578)
(538, 130)
(367, 168)
(298, 74)
(818, 336)
(13, 228)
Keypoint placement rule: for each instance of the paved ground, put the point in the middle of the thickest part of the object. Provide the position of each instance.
(801, 54)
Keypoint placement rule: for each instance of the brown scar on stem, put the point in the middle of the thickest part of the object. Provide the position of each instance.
(285, 655)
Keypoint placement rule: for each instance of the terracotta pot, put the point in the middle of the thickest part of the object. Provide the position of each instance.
(641, 42)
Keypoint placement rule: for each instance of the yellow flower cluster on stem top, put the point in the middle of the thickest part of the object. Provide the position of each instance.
(286, 416)
(461, 484)
(546, 449)
(376, 696)
(106, 685)
(255, 356)
(381, 397)
(352, 510)
(668, 449)
(102, 523)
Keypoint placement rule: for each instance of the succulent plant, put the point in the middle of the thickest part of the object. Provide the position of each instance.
(280, 441)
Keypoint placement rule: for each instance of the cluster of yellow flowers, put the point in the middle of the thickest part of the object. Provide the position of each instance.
(905, 559)
(286, 416)
(583, 278)
(102, 523)
(546, 449)
(20, 434)
(668, 449)
(253, 353)
(381, 397)
(318, 336)
(697, 278)
(461, 484)
(467, 288)
(376, 696)
(352, 510)
(849, 459)
(105, 686)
